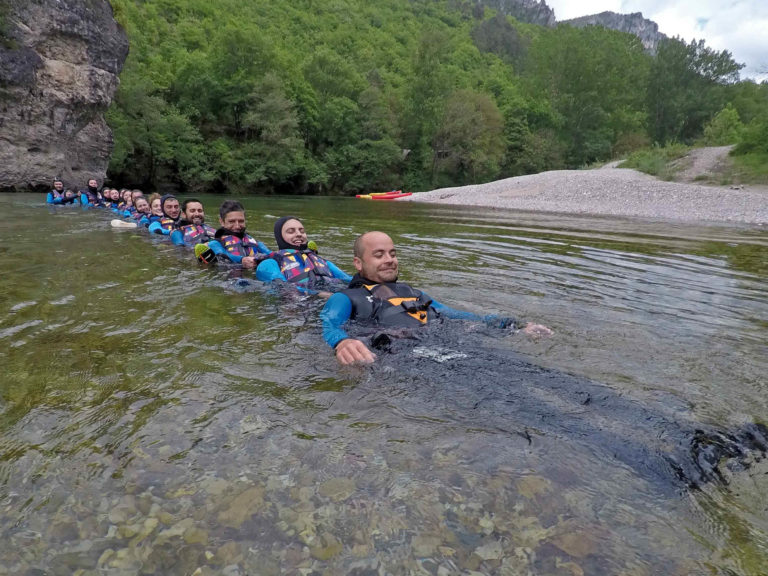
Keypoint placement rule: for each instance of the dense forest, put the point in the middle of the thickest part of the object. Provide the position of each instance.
(343, 96)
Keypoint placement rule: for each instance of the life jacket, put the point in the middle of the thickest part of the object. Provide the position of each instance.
(93, 197)
(168, 223)
(237, 247)
(56, 194)
(300, 265)
(194, 234)
(390, 304)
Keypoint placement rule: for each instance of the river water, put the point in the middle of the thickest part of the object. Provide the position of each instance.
(157, 417)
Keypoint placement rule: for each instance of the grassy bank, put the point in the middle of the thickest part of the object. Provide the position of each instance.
(657, 161)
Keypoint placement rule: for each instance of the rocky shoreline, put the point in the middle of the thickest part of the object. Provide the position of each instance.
(611, 191)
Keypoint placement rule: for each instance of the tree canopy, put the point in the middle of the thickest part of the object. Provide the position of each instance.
(344, 96)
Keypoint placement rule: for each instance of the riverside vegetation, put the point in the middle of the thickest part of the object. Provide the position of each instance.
(344, 96)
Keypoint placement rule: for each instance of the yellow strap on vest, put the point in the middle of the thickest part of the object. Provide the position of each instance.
(420, 315)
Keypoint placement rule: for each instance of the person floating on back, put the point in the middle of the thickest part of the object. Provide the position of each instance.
(375, 296)
(192, 228)
(296, 262)
(171, 216)
(231, 242)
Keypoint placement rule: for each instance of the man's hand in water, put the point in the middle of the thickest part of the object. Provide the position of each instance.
(353, 351)
(536, 330)
(248, 262)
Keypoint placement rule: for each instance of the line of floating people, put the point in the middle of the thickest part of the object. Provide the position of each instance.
(373, 295)
(692, 453)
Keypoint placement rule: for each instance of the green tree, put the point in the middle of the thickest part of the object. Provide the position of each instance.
(725, 128)
(686, 88)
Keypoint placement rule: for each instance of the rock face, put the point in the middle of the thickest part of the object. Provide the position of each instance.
(531, 11)
(59, 66)
(646, 30)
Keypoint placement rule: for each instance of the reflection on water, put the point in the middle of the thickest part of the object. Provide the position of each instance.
(154, 419)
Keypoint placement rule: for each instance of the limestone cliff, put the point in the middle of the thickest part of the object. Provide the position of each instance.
(531, 11)
(646, 30)
(59, 66)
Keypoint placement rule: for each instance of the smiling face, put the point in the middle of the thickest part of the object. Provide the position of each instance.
(293, 233)
(376, 258)
(142, 205)
(58, 185)
(194, 213)
(92, 183)
(234, 221)
(157, 209)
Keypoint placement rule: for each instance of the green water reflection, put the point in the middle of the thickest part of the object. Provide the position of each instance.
(155, 419)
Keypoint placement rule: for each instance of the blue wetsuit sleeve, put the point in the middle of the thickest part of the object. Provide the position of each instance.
(492, 320)
(177, 237)
(157, 228)
(269, 271)
(144, 221)
(50, 199)
(261, 248)
(335, 314)
(338, 272)
(84, 200)
(219, 250)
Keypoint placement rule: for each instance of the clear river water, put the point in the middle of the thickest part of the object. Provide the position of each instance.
(158, 417)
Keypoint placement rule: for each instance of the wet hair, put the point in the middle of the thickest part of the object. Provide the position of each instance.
(230, 206)
(58, 180)
(135, 194)
(187, 202)
(152, 197)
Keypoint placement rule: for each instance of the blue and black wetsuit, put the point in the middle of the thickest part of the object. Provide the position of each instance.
(235, 246)
(389, 305)
(59, 198)
(301, 267)
(91, 197)
(164, 226)
(189, 234)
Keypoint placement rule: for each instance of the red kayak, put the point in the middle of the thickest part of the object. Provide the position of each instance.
(390, 196)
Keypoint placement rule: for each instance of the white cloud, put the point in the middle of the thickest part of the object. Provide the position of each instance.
(739, 26)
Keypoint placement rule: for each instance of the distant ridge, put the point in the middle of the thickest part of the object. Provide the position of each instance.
(538, 12)
(635, 23)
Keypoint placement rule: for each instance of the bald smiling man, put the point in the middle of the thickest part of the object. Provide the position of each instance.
(376, 297)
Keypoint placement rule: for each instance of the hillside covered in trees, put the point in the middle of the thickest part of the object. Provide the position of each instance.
(343, 96)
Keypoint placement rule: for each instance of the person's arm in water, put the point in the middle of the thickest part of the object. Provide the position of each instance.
(51, 199)
(337, 312)
(157, 228)
(492, 320)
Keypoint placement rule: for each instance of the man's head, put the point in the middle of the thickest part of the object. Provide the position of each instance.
(290, 234)
(376, 257)
(232, 216)
(193, 211)
(58, 185)
(92, 183)
(170, 206)
(114, 194)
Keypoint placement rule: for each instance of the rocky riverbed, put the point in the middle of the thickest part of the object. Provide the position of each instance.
(612, 191)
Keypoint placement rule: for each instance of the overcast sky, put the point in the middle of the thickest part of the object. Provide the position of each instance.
(739, 26)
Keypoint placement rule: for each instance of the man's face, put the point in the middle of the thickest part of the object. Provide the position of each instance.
(194, 213)
(379, 260)
(157, 210)
(293, 233)
(58, 186)
(115, 195)
(234, 221)
(92, 183)
(172, 208)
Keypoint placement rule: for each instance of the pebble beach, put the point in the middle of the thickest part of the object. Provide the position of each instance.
(611, 191)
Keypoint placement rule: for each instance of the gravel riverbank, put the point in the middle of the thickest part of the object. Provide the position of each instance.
(611, 191)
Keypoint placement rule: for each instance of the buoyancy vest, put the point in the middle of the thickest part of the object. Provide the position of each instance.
(56, 195)
(93, 197)
(247, 246)
(194, 234)
(390, 304)
(168, 223)
(300, 265)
